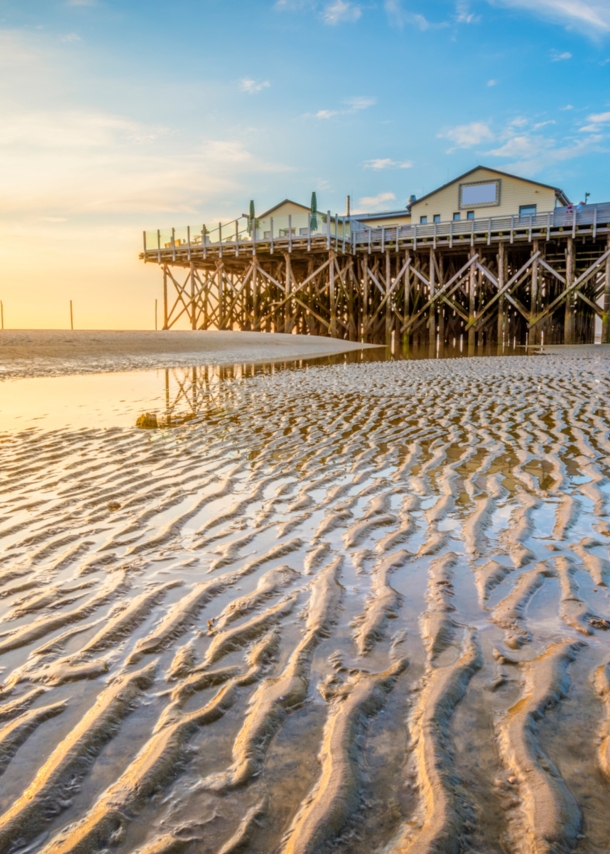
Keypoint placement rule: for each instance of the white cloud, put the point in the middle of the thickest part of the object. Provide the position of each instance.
(360, 103)
(524, 146)
(599, 118)
(71, 37)
(463, 15)
(373, 203)
(253, 87)
(340, 11)
(532, 165)
(556, 56)
(591, 16)
(399, 17)
(352, 105)
(491, 83)
(595, 121)
(540, 125)
(387, 163)
(467, 136)
(568, 107)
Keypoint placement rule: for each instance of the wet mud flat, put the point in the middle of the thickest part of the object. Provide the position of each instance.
(356, 608)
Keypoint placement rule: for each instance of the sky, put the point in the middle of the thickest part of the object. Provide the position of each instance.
(122, 115)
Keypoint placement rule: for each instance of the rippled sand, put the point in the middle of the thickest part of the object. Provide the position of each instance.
(360, 608)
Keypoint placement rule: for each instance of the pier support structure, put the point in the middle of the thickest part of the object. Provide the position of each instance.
(498, 289)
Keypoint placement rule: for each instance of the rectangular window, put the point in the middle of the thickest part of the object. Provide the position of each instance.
(303, 232)
(482, 194)
(436, 218)
(527, 210)
(470, 215)
(423, 220)
(457, 217)
(284, 232)
(266, 235)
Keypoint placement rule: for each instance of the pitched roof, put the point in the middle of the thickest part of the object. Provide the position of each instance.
(285, 202)
(560, 194)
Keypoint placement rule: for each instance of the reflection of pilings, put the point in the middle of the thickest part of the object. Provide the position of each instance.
(512, 293)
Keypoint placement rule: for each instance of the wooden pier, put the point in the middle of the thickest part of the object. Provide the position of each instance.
(500, 280)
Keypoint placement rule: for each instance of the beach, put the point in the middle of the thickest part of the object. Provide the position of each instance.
(30, 353)
(359, 607)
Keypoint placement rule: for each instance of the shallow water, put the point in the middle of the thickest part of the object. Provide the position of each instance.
(358, 606)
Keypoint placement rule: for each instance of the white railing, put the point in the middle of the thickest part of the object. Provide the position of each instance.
(594, 215)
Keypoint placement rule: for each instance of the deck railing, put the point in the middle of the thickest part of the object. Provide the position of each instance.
(560, 218)
(245, 232)
(348, 234)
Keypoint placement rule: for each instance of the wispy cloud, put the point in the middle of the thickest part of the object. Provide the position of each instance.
(491, 83)
(340, 11)
(253, 87)
(387, 163)
(560, 56)
(352, 105)
(463, 15)
(591, 16)
(71, 37)
(596, 120)
(467, 136)
(374, 203)
(523, 147)
(401, 17)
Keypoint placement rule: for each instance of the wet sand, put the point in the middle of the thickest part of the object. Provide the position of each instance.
(357, 608)
(34, 353)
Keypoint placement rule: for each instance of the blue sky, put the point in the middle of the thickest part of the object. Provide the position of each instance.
(119, 116)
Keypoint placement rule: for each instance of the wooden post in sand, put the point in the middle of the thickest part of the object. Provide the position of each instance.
(1, 314)
(156, 326)
(71, 316)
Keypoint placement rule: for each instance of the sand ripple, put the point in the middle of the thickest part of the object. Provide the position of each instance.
(360, 608)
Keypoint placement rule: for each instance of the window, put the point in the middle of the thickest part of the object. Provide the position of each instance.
(266, 235)
(436, 218)
(457, 217)
(284, 232)
(423, 220)
(481, 194)
(303, 232)
(527, 210)
(470, 215)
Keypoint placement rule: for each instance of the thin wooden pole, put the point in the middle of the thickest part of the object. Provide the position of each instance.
(471, 303)
(71, 316)
(193, 303)
(165, 314)
(501, 282)
(156, 325)
(568, 324)
(1, 314)
(535, 331)
(606, 314)
(388, 307)
(333, 305)
(432, 310)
